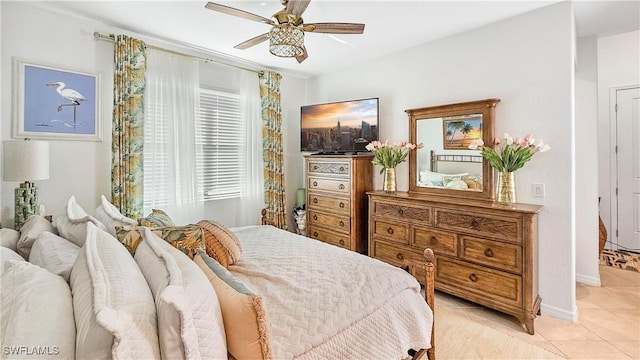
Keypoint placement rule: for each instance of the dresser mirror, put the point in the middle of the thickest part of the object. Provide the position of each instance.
(445, 165)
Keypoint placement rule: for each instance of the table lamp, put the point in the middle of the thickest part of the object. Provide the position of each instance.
(25, 160)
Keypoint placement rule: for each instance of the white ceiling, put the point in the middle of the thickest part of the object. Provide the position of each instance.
(390, 25)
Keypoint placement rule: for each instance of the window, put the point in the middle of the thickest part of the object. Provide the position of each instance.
(220, 129)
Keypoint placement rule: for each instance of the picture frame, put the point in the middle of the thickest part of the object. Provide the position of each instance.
(56, 103)
(459, 131)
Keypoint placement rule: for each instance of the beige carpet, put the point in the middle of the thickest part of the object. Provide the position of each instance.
(458, 337)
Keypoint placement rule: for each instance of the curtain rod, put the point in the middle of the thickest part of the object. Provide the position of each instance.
(112, 37)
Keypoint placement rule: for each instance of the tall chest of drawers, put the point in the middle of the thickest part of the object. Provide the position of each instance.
(486, 252)
(337, 188)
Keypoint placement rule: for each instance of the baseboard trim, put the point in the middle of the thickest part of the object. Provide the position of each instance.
(558, 313)
(588, 280)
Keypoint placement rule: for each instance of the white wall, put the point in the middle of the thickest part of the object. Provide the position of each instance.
(587, 270)
(83, 168)
(618, 59)
(528, 62)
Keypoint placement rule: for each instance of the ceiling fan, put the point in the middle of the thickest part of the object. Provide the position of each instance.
(286, 37)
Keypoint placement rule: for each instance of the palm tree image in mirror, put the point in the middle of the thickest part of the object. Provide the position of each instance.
(460, 131)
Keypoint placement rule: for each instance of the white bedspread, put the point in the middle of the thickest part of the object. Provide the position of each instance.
(324, 302)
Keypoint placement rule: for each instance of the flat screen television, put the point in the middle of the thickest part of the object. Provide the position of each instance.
(339, 127)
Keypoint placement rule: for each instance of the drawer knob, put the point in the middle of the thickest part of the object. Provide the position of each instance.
(341, 186)
(341, 223)
(488, 253)
(315, 183)
(341, 241)
(315, 233)
(341, 168)
(315, 167)
(433, 240)
(315, 200)
(399, 256)
(474, 224)
(341, 205)
(400, 212)
(315, 217)
(473, 277)
(390, 231)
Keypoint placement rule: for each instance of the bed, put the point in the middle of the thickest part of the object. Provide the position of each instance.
(320, 301)
(452, 171)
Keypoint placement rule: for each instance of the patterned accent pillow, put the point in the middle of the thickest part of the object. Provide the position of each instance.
(188, 239)
(243, 314)
(157, 218)
(221, 244)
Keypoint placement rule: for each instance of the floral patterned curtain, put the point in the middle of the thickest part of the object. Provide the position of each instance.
(274, 196)
(127, 128)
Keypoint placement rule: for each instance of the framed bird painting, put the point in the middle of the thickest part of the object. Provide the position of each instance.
(51, 102)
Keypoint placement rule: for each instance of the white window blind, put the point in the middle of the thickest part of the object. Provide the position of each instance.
(221, 130)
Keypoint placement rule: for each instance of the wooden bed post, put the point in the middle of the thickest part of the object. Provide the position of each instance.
(429, 297)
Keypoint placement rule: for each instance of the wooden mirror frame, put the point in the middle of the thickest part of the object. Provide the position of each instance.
(484, 107)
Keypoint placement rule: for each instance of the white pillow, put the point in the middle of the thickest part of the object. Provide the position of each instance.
(113, 306)
(457, 184)
(34, 225)
(9, 238)
(55, 254)
(72, 221)
(189, 318)
(37, 314)
(7, 254)
(111, 217)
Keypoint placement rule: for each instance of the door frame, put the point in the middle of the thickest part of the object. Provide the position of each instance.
(613, 161)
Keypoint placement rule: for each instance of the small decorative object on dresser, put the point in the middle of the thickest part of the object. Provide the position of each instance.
(337, 200)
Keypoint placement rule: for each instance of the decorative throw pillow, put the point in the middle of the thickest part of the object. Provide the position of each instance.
(222, 244)
(111, 217)
(189, 318)
(113, 307)
(37, 314)
(54, 253)
(72, 222)
(9, 238)
(34, 225)
(243, 315)
(157, 218)
(188, 239)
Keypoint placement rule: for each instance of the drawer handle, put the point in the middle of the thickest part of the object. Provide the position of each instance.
(474, 224)
(315, 167)
(315, 233)
(488, 253)
(473, 277)
(315, 183)
(399, 256)
(341, 241)
(433, 240)
(341, 168)
(341, 205)
(390, 231)
(341, 186)
(315, 217)
(341, 223)
(315, 200)
(400, 212)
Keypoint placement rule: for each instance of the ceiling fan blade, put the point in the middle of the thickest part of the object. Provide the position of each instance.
(237, 12)
(253, 41)
(303, 56)
(335, 28)
(297, 7)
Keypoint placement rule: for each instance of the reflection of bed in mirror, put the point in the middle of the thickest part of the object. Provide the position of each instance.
(452, 171)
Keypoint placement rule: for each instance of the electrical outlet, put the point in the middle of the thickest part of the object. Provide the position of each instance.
(537, 190)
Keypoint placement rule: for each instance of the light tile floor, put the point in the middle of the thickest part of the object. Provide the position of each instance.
(608, 324)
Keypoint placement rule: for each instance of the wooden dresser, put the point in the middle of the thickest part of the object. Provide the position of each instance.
(485, 252)
(337, 188)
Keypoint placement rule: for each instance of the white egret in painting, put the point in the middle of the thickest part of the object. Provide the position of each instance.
(70, 94)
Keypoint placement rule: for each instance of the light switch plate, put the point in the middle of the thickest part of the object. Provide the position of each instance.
(537, 190)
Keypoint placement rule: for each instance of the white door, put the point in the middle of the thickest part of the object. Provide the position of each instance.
(628, 168)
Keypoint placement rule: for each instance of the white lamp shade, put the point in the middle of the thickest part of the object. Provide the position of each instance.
(25, 160)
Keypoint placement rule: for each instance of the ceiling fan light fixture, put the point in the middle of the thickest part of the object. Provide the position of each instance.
(286, 41)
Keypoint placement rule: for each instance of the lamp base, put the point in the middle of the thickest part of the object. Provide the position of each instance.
(26, 201)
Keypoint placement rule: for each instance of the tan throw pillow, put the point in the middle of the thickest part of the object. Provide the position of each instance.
(221, 243)
(34, 225)
(243, 315)
(188, 239)
(157, 218)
